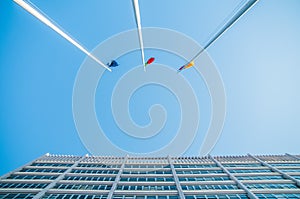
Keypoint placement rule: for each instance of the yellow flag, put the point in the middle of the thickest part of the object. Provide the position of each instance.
(189, 64)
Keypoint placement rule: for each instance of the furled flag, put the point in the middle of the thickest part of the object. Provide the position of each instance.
(150, 61)
(186, 66)
(113, 63)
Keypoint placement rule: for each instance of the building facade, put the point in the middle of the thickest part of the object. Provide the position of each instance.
(103, 177)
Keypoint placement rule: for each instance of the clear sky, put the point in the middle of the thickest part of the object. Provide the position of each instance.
(258, 61)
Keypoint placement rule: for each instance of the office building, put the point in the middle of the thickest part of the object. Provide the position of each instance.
(104, 177)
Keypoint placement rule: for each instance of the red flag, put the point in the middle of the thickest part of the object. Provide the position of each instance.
(150, 61)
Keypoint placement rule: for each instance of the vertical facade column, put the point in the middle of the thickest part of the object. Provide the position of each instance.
(20, 168)
(117, 179)
(232, 177)
(60, 177)
(276, 170)
(179, 189)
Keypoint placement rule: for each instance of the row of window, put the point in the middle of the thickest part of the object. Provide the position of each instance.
(227, 196)
(187, 161)
(260, 165)
(198, 171)
(195, 165)
(73, 196)
(22, 185)
(100, 165)
(151, 166)
(144, 197)
(289, 170)
(154, 171)
(150, 187)
(33, 177)
(271, 186)
(51, 164)
(234, 171)
(103, 161)
(206, 187)
(83, 186)
(285, 164)
(147, 172)
(16, 195)
(52, 177)
(296, 177)
(205, 179)
(43, 170)
(242, 165)
(95, 171)
(259, 177)
(278, 196)
(147, 187)
(158, 179)
(149, 179)
(243, 196)
(87, 178)
(81, 196)
(162, 179)
(250, 171)
(144, 179)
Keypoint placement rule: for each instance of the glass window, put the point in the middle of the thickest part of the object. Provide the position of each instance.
(259, 177)
(95, 171)
(205, 187)
(271, 186)
(32, 177)
(194, 165)
(43, 170)
(51, 164)
(145, 166)
(296, 177)
(117, 196)
(146, 187)
(290, 170)
(285, 164)
(242, 165)
(249, 170)
(73, 196)
(227, 196)
(161, 179)
(83, 186)
(205, 179)
(100, 165)
(147, 172)
(277, 196)
(198, 171)
(22, 185)
(16, 195)
(88, 178)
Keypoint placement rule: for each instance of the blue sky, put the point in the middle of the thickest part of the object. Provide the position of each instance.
(258, 60)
